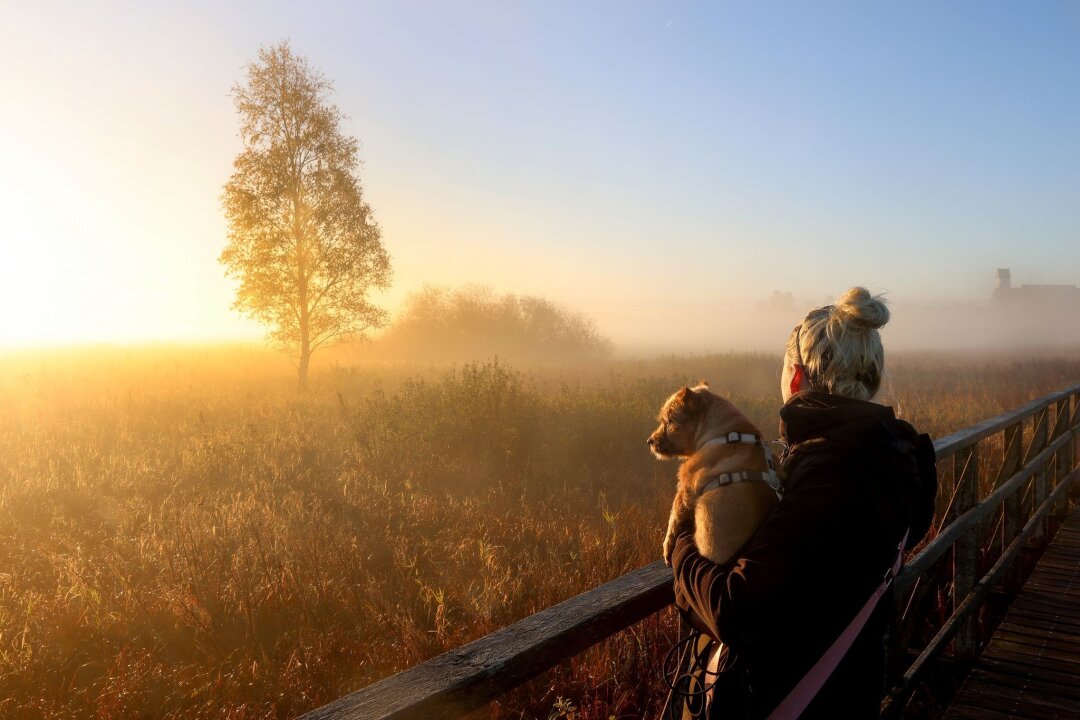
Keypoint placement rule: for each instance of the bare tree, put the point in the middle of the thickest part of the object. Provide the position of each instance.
(302, 241)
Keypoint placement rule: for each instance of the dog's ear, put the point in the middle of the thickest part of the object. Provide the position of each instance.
(688, 398)
(704, 384)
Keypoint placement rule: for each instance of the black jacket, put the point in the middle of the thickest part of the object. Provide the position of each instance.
(856, 477)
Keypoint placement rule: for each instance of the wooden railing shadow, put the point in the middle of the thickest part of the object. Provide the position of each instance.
(986, 520)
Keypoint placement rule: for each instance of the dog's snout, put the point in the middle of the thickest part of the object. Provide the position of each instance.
(650, 441)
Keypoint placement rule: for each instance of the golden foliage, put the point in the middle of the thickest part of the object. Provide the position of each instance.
(302, 241)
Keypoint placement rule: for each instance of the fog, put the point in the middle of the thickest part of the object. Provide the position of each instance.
(472, 322)
(647, 330)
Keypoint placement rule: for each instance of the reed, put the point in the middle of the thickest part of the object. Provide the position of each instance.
(183, 534)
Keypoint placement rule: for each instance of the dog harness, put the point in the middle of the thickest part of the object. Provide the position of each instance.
(769, 477)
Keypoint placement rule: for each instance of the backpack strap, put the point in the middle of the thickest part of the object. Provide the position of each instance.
(807, 689)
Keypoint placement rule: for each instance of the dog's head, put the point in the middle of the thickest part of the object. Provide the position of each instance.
(679, 419)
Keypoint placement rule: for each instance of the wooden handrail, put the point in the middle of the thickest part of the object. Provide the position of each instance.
(936, 548)
(948, 445)
(466, 678)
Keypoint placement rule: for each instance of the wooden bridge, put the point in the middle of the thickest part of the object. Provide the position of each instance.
(1031, 668)
(1004, 491)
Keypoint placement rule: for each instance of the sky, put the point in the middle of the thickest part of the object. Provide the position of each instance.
(658, 166)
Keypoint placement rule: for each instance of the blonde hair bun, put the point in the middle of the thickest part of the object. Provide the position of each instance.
(860, 310)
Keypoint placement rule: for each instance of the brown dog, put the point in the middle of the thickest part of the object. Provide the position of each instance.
(716, 498)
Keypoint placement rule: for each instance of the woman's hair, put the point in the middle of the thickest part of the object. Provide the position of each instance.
(840, 347)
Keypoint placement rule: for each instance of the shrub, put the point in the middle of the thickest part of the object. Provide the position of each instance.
(472, 323)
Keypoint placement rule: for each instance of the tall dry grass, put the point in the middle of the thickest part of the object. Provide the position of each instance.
(183, 534)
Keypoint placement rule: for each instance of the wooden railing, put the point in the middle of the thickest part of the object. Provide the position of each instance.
(985, 520)
(989, 520)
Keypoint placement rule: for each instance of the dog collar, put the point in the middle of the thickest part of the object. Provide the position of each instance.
(769, 477)
(735, 437)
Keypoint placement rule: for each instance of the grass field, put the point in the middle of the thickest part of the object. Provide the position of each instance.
(183, 534)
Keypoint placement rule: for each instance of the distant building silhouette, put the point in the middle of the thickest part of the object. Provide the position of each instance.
(1033, 294)
(1004, 279)
(779, 302)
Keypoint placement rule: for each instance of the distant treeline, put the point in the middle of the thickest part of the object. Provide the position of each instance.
(439, 324)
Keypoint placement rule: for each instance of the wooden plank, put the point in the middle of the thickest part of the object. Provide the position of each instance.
(1033, 623)
(1047, 597)
(1031, 613)
(1058, 569)
(1031, 701)
(1061, 556)
(1004, 649)
(1029, 682)
(990, 706)
(1036, 619)
(990, 665)
(469, 677)
(1065, 649)
(1051, 577)
(971, 712)
(1047, 593)
(1024, 633)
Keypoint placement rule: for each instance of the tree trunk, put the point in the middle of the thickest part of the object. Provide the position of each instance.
(305, 330)
(305, 358)
(302, 288)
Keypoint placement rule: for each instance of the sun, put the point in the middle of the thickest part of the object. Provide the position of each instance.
(39, 282)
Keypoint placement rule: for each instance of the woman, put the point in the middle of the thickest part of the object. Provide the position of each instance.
(856, 480)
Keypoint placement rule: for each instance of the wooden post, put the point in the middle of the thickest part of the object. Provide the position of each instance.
(966, 550)
(1061, 506)
(1039, 440)
(1013, 438)
(1074, 422)
(1061, 419)
(895, 641)
(1063, 415)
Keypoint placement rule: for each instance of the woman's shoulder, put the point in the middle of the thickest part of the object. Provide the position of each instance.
(884, 447)
(815, 462)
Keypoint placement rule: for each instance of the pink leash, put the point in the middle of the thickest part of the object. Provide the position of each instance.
(801, 695)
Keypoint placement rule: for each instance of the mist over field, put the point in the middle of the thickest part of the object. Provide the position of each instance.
(975, 326)
(421, 331)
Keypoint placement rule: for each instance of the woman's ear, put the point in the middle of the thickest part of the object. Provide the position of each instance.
(798, 379)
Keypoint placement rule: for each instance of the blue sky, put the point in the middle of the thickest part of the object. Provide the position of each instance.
(650, 163)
